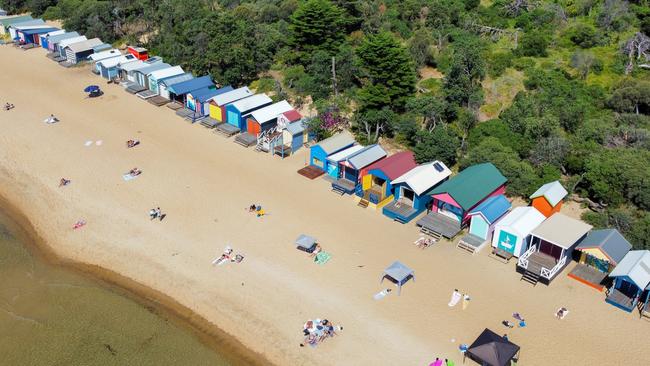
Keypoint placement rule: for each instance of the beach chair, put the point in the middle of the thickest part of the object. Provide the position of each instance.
(322, 258)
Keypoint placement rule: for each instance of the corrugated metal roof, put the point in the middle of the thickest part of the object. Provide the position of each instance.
(153, 67)
(250, 103)
(395, 165)
(102, 47)
(271, 112)
(423, 177)
(232, 96)
(15, 19)
(205, 94)
(295, 128)
(367, 156)
(177, 79)
(52, 33)
(293, 115)
(343, 154)
(636, 266)
(168, 72)
(61, 37)
(522, 220)
(553, 192)
(562, 230)
(492, 208)
(114, 62)
(38, 30)
(68, 41)
(30, 22)
(337, 142)
(472, 185)
(194, 84)
(133, 66)
(609, 241)
(105, 54)
(85, 45)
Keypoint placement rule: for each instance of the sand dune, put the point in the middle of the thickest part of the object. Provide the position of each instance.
(204, 182)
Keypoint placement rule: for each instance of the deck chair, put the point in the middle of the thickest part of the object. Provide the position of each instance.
(322, 258)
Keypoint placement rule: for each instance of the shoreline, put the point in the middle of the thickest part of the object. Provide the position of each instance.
(160, 304)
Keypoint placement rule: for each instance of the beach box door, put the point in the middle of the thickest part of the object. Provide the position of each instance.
(233, 118)
(507, 242)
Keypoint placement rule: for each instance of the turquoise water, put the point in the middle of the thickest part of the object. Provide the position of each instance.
(50, 315)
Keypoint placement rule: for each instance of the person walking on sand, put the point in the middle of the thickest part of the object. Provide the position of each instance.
(153, 213)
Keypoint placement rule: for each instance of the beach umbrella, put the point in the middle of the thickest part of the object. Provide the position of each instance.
(91, 89)
(492, 349)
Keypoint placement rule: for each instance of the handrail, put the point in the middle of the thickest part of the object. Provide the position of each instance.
(549, 273)
(523, 260)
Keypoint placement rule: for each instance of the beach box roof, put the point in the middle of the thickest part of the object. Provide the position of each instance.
(271, 112)
(305, 241)
(492, 349)
(345, 153)
(423, 177)
(68, 41)
(84, 45)
(14, 19)
(102, 47)
(165, 73)
(190, 85)
(636, 266)
(232, 96)
(3, 12)
(553, 192)
(609, 241)
(53, 33)
(365, 157)
(205, 94)
(38, 30)
(115, 61)
(105, 55)
(133, 66)
(60, 37)
(337, 142)
(251, 103)
(26, 23)
(395, 165)
(492, 208)
(561, 230)
(472, 185)
(295, 128)
(153, 67)
(177, 79)
(522, 220)
(292, 115)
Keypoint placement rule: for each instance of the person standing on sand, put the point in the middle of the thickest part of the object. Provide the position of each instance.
(153, 213)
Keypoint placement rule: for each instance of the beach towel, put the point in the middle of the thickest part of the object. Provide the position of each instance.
(127, 177)
(99, 142)
(381, 294)
(436, 363)
(466, 300)
(450, 363)
(455, 298)
(88, 143)
(322, 258)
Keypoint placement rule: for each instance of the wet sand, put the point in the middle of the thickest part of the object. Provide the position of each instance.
(204, 182)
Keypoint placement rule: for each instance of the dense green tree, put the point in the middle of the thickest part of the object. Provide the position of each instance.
(583, 35)
(317, 25)
(388, 69)
(463, 81)
(432, 110)
(373, 123)
(533, 44)
(631, 96)
(439, 144)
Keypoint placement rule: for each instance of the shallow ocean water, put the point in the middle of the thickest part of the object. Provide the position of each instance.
(52, 315)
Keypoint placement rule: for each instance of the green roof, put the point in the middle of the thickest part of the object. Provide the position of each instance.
(472, 185)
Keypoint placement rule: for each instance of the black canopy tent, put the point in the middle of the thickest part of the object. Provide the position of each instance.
(491, 349)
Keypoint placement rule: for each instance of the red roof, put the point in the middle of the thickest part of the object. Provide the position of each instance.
(292, 115)
(396, 164)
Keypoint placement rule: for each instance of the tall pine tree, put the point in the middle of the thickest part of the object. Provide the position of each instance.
(317, 25)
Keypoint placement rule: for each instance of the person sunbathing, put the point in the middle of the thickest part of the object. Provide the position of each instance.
(224, 257)
(252, 208)
(238, 258)
(135, 172)
(317, 250)
(64, 182)
(8, 106)
(132, 143)
(79, 224)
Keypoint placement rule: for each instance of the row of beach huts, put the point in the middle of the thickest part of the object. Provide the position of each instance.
(471, 209)
(253, 119)
(543, 240)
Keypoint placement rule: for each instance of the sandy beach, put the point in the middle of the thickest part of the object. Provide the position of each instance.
(204, 182)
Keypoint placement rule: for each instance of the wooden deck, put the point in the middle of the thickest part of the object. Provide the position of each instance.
(589, 276)
(440, 224)
(227, 129)
(158, 101)
(246, 139)
(620, 300)
(471, 243)
(134, 88)
(343, 186)
(175, 106)
(403, 211)
(282, 150)
(210, 122)
(538, 260)
(311, 172)
(146, 94)
(184, 112)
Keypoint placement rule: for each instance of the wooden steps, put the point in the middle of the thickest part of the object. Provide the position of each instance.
(530, 277)
(363, 203)
(424, 230)
(338, 190)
